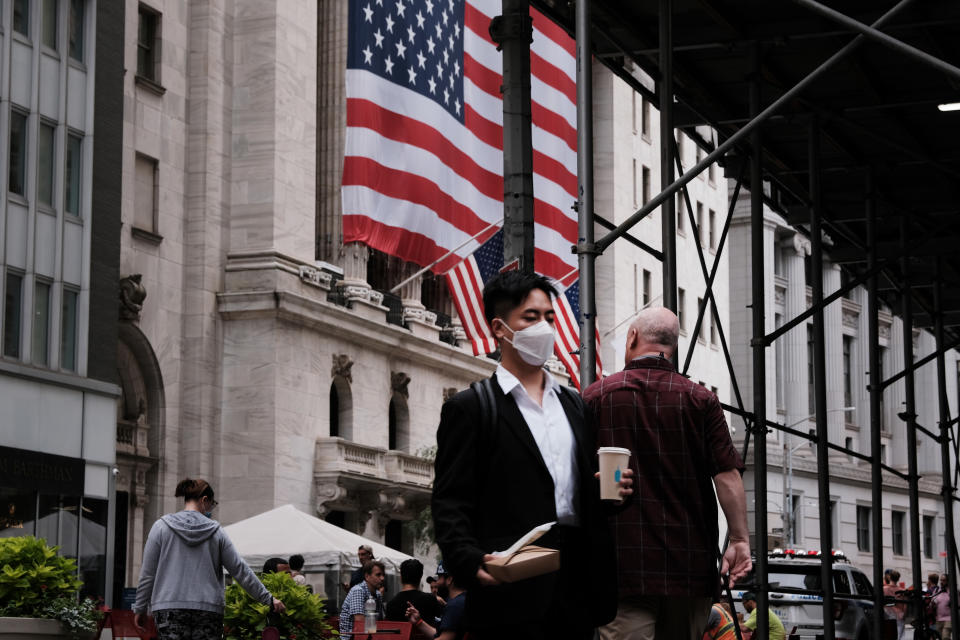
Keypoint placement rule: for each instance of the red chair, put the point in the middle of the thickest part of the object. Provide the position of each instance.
(405, 629)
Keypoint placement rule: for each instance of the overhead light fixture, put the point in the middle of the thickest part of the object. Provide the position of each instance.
(950, 106)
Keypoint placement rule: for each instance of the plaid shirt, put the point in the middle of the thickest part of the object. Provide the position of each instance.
(666, 534)
(353, 604)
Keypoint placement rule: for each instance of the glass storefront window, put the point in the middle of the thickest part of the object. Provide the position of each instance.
(17, 512)
(93, 548)
(58, 523)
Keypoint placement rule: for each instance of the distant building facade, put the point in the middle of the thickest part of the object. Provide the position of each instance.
(59, 256)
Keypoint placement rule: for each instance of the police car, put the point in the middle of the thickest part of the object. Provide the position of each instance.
(794, 577)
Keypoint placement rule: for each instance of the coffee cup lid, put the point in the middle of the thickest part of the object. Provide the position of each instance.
(613, 450)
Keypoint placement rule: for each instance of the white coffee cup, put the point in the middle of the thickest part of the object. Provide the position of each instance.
(613, 461)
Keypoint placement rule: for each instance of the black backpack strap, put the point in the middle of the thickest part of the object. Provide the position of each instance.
(487, 402)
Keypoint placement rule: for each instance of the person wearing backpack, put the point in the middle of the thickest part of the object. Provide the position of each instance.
(181, 580)
(515, 452)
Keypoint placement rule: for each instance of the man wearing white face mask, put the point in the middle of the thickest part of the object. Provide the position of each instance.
(527, 460)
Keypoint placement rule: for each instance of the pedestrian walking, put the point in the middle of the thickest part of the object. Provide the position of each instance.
(181, 580)
(941, 605)
(512, 454)
(666, 534)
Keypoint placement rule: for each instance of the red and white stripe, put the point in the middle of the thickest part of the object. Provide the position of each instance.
(432, 183)
(466, 288)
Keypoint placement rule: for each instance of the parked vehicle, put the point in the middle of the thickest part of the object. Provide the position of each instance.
(794, 577)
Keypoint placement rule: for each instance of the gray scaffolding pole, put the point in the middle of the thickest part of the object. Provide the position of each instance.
(513, 31)
(945, 421)
(910, 416)
(876, 397)
(668, 221)
(820, 379)
(757, 303)
(586, 251)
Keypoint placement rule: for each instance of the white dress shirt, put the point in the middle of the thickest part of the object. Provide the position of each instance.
(554, 437)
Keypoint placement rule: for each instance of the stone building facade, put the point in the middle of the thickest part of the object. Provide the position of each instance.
(792, 470)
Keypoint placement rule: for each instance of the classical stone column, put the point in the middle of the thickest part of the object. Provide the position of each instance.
(895, 396)
(795, 369)
(422, 323)
(331, 129)
(833, 334)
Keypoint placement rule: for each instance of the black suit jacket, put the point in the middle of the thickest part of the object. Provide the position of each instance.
(491, 487)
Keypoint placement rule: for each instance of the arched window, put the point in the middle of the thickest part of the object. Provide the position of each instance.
(398, 428)
(334, 411)
(341, 409)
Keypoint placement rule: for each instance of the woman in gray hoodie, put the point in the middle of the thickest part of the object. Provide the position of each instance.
(181, 580)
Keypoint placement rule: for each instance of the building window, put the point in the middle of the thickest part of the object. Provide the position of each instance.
(145, 205)
(712, 228)
(811, 393)
(645, 119)
(18, 154)
(76, 30)
(863, 528)
(712, 173)
(633, 110)
(896, 536)
(714, 337)
(794, 503)
(700, 227)
(778, 347)
(45, 164)
(21, 17)
(681, 213)
(49, 34)
(646, 287)
(72, 178)
(636, 189)
(646, 185)
(12, 311)
(398, 430)
(848, 445)
(636, 289)
(681, 316)
(147, 44)
(702, 337)
(834, 524)
(41, 323)
(68, 330)
(883, 454)
(928, 524)
(847, 373)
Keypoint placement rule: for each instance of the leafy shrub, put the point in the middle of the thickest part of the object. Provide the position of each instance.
(35, 582)
(304, 619)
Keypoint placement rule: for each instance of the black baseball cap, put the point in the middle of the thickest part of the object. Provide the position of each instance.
(749, 595)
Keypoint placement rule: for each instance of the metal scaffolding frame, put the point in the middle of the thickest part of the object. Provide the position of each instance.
(839, 142)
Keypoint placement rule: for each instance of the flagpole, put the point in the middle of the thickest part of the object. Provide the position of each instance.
(586, 248)
(495, 223)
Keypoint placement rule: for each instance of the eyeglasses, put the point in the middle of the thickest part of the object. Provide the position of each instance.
(213, 503)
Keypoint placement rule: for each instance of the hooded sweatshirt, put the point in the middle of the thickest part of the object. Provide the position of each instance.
(183, 565)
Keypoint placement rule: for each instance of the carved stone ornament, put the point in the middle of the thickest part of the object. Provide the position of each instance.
(801, 245)
(449, 392)
(316, 277)
(779, 295)
(329, 495)
(342, 364)
(132, 295)
(399, 382)
(850, 319)
(883, 331)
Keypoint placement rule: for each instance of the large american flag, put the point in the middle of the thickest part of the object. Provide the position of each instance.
(423, 165)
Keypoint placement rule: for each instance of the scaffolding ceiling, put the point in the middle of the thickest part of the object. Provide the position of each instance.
(876, 108)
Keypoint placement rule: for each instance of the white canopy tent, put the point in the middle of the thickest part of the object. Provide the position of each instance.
(286, 530)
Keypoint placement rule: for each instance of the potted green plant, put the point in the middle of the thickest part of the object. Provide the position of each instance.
(38, 593)
(305, 618)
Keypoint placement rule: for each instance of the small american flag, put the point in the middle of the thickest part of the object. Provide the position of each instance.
(466, 282)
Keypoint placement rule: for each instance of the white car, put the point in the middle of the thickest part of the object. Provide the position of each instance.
(794, 577)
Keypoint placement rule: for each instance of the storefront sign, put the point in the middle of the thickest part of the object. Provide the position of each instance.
(43, 472)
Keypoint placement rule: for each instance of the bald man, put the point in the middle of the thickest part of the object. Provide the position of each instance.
(667, 532)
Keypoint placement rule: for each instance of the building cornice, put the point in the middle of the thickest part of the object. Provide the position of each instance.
(328, 318)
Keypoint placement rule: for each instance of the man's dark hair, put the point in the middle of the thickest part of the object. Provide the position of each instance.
(296, 562)
(506, 291)
(411, 571)
(270, 566)
(368, 567)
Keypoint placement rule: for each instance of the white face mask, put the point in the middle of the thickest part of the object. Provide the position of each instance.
(534, 343)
